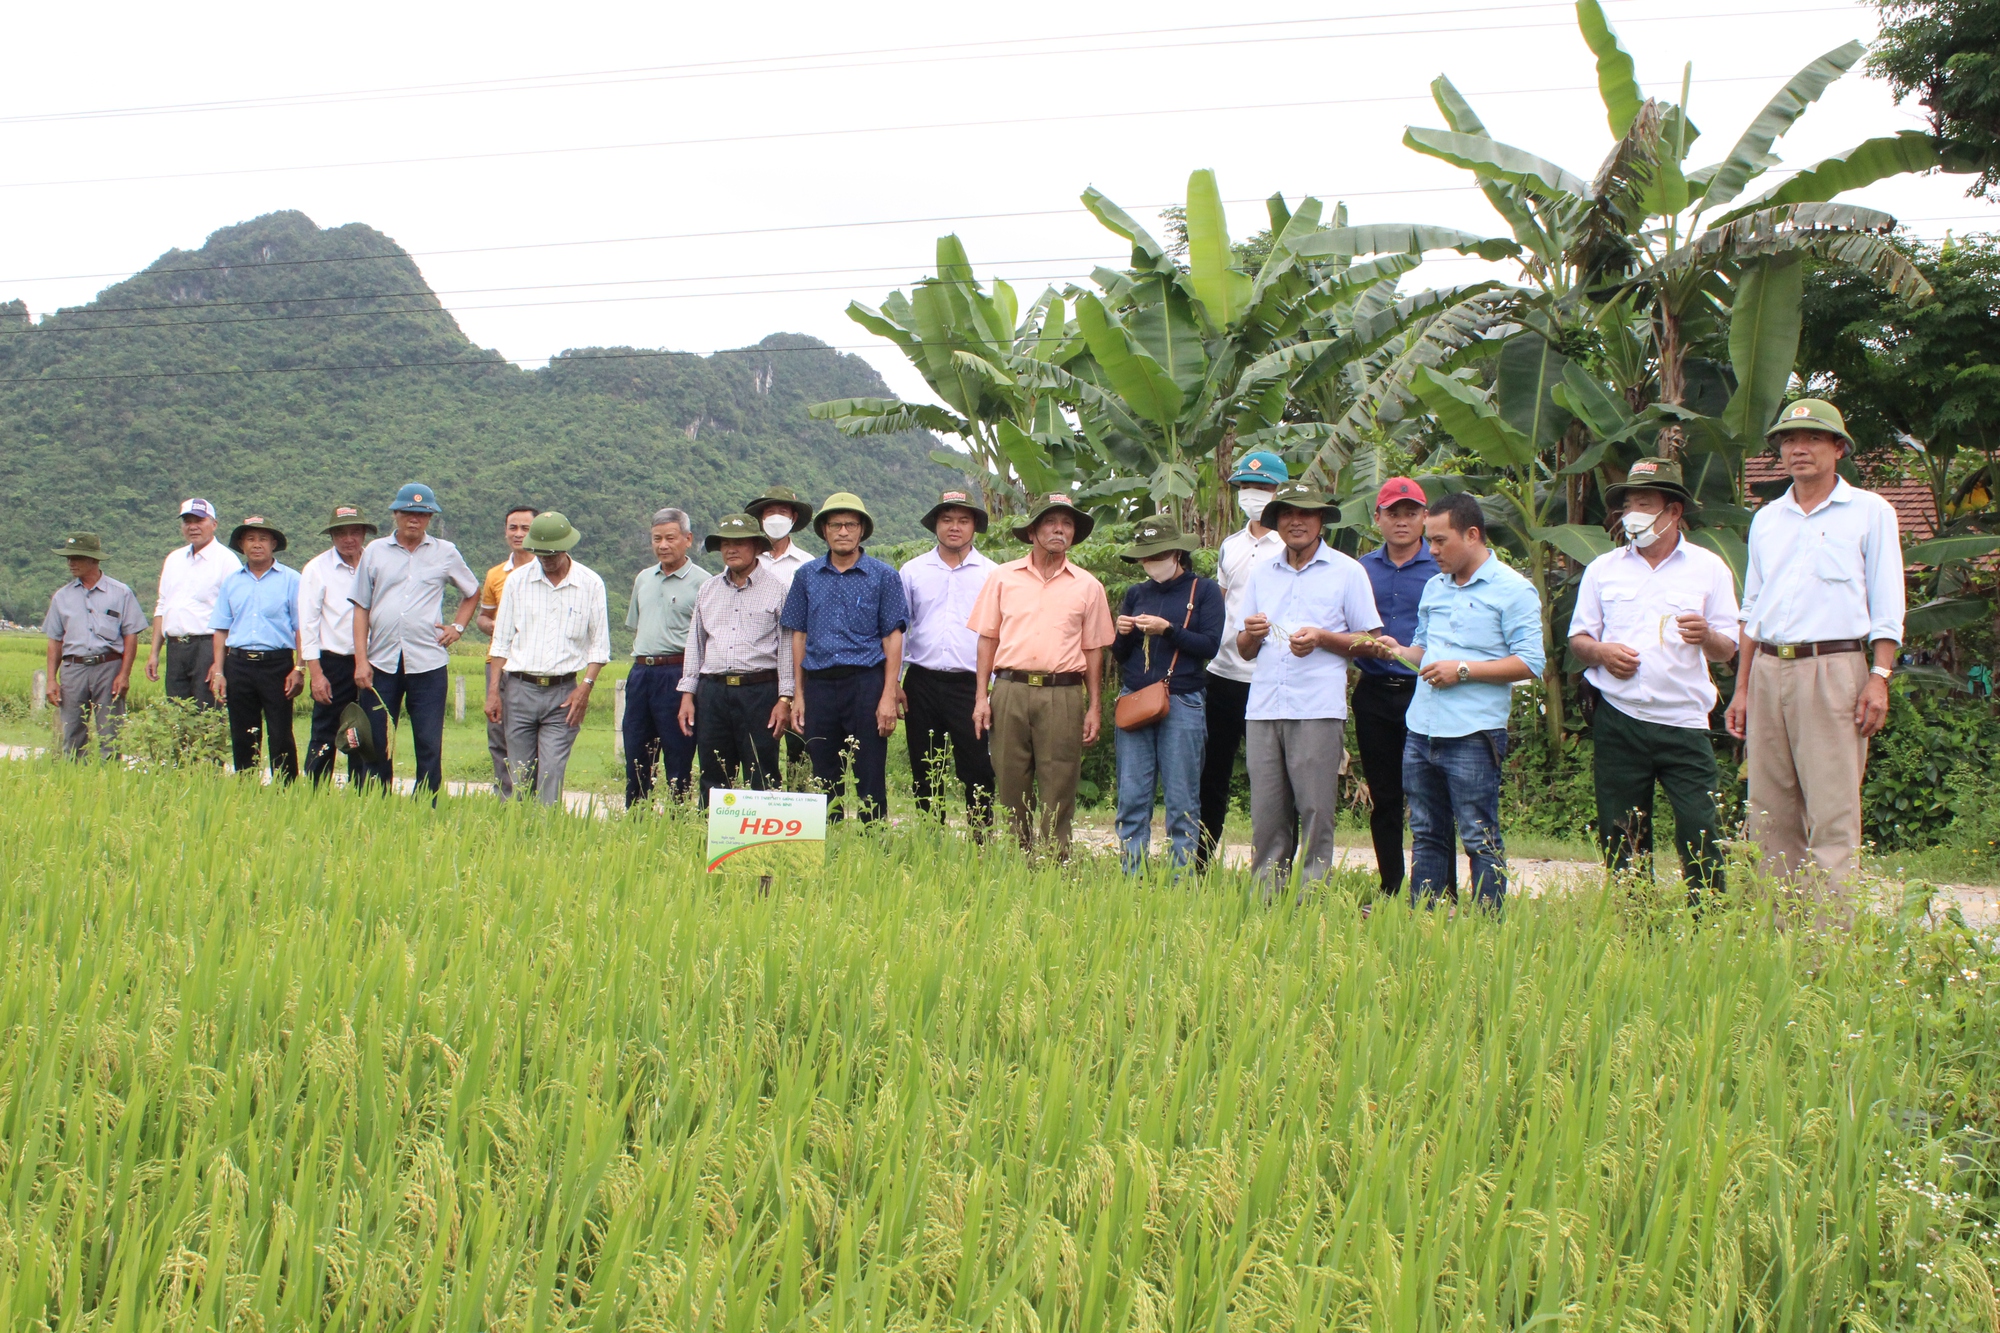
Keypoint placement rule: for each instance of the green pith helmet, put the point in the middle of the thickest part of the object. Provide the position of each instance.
(1158, 536)
(255, 523)
(1025, 531)
(550, 533)
(736, 528)
(1810, 414)
(1300, 495)
(83, 544)
(1652, 474)
(348, 516)
(843, 502)
(781, 497)
(957, 500)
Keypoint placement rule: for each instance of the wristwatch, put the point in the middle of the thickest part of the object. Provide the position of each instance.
(1464, 672)
(1883, 672)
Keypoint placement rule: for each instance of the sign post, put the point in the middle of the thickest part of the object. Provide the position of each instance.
(765, 833)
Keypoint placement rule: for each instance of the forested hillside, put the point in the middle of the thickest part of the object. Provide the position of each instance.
(93, 436)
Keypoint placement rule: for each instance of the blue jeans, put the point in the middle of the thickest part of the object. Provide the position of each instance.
(1454, 781)
(1168, 755)
(653, 737)
(422, 693)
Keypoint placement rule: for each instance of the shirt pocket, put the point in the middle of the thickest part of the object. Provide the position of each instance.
(1620, 607)
(1836, 561)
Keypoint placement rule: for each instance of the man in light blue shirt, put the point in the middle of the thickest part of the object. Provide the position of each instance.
(1479, 629)
(256, 626)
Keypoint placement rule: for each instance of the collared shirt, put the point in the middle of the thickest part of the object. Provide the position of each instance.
(661, 607)
(403, 593)
(1625, 599)
(736, 630)
(95, 620)
(188, 584)
(550, 629)
(1239, 558)
(496, 577)
(788, 565)
(845, 613)
(1494, 614)
(1331, 591)
(326, 606)
(1192, 607)
(1042, 624)
(259, 611)
(1836, 573)
(940, 598)
(1399, 590)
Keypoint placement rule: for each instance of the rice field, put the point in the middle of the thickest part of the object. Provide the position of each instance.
(272, 1059)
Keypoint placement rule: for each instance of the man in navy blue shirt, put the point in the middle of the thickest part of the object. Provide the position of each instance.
(1398, 569)
(846, 614)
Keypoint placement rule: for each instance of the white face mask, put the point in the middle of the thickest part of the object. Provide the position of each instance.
(1640, 528)
(1161, 568)
(777, 525)
(1252, 503)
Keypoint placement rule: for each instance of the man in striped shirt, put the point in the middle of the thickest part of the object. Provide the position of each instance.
(736, 684)
(551, 638)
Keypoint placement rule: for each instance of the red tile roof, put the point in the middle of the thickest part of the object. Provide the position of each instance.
(1916, 512)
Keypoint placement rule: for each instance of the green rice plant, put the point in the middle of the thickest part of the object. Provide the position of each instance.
(284, 1059)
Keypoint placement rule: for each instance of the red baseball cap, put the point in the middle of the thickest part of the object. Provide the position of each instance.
(1399, 488)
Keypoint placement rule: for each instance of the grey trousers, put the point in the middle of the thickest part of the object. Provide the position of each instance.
(87, 706)
(1294, 783)
(538, 738)
(496, 745)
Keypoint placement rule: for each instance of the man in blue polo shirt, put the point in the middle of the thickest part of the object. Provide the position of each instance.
(256, 626)
(1479, 629)
(846, 614)
(1398, 570)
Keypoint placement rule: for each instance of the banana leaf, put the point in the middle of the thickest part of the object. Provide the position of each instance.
(1472, 421)
(1944, 550)
(1752, 154)
(1945, 613)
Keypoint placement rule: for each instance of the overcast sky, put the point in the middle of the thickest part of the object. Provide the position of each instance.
(794, 156)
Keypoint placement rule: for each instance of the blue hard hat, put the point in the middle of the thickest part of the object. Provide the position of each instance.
(1260, 465)
(417, 498)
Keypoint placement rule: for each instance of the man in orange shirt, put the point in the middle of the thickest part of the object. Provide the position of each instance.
(518, 519)
(1043, 626)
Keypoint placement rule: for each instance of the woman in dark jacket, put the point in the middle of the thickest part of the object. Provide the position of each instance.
(1168, 628)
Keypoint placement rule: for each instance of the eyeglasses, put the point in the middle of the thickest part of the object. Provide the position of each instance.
(843, 525)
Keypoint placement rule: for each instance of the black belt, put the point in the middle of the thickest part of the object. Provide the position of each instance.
(841, 672)
(92, 661)
(935, 671)
(185, 638)
(566, 678)
(1375, 678)
(743, 677)
(658, 659)
(1789, 651)
(1040, 678)
(261, 654)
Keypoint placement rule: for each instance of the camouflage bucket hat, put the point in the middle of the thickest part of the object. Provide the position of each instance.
(1157, 536)
(736, 527)
(81, 544)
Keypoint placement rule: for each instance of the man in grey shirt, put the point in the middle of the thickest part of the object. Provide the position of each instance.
(402, 648)
(93, 627)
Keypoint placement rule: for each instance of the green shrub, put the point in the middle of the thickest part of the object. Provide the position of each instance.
(1906, 795)
(177, 733)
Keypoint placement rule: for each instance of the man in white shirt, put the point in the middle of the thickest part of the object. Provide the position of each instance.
(326, 635)
(1257, 475)
(940, 659)
(552, 628)
(189, 581)
(1649, 619)
(1823, 593)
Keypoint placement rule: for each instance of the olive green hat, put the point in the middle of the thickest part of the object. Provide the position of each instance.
(843, 502)
(1300, 495)
(733, 528)
(255, 523)
(776, 496)
(348, 516)
(1157, 536)
(1810, 414)
(1652, 474)
(1025, 531)
(550, 533)
(83, 544)
(957, 500)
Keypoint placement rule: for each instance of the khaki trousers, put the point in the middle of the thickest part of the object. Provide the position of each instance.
(1037, 748)
(1806, 757)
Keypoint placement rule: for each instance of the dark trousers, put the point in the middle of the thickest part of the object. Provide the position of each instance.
(189, 660)
(1379, 705)
(939, 711)
(422, 693)
(1627, 757)
(1228, 700)
(732, 733)
(338, 668)
(259, 711)
(653, 732)
(840, 719)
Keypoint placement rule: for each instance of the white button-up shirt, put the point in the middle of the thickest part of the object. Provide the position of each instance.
(940, 599)
(788, 565)
(551, 629)
(189, 581)
(1625, 599)
(1836, 573)
(326, 608)
(1240, 557)
(1332, 592)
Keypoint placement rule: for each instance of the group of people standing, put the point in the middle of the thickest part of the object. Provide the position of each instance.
(995, 670)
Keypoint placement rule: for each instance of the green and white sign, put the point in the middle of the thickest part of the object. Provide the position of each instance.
(765, 832)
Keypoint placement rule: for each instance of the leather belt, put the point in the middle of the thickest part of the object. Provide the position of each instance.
(1384, 678)
(743, 677)
(1787, 652)
(1040, 678)
(658, 659)
(841, 672)
(566, 678)
(185, 638)
(261, 654)
(97, 660)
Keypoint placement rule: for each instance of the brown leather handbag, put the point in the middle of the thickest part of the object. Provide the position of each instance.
(1147, 706)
